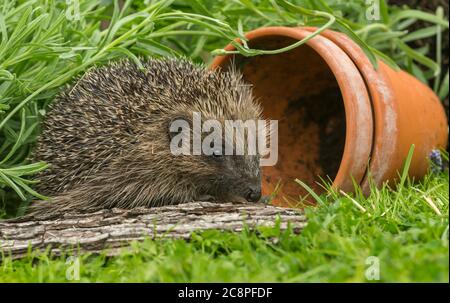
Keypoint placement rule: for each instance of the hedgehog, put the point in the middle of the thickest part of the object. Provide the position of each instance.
(106, 138)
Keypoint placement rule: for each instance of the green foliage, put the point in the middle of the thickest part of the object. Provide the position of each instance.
(399, 227)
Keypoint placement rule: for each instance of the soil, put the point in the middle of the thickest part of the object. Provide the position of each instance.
(326, 111)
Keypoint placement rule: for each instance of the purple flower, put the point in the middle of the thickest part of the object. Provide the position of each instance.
(437, 164)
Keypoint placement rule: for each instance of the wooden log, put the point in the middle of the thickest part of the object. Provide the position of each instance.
(113, 229)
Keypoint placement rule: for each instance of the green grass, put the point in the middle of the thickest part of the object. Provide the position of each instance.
(398, 226)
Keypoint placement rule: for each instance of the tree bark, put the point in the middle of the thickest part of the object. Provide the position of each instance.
(113, 229)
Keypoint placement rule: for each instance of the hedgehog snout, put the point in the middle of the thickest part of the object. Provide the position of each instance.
(253, 193)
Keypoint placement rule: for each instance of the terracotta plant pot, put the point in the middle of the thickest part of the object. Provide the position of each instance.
(339, 118)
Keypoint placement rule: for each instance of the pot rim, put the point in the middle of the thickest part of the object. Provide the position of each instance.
(385, 138)
(357, 104)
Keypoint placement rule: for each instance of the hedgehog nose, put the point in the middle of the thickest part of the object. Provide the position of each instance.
(254, 194)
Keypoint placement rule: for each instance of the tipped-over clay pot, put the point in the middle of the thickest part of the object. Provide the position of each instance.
(339, 118)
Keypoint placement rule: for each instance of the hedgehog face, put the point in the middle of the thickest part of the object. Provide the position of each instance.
(219, 170)
(244, 177)
(213, 109)
(225, 178)
(237, 178)
(239, 173)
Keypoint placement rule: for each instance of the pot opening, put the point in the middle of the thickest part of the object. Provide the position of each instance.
(298, 89)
